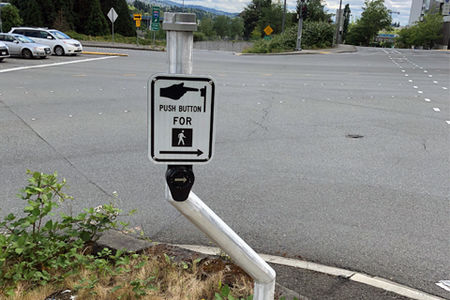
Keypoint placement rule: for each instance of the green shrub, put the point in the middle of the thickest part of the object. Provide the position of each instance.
(199, 36)
(314, 35)
(32, 247)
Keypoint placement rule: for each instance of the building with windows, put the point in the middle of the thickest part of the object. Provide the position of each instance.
(421, 7)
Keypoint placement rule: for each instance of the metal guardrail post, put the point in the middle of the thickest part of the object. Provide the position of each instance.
(180, 27)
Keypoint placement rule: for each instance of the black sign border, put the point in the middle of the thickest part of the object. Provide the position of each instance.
(152, 117)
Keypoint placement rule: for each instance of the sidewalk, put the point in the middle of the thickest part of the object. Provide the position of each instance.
(292, 282)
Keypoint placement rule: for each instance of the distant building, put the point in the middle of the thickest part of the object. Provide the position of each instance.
(421, 7)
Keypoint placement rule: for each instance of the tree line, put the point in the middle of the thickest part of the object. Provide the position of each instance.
(83, 16)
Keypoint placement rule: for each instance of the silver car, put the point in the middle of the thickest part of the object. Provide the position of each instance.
(23, 46)
(4, 51)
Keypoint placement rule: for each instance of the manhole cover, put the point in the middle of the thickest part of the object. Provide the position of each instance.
(354, 136)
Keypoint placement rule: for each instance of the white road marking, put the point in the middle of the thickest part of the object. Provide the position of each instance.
(402, 69)
(430, 76)
(33, 119)
(425, 71)
(100, 113)
(435, 82)
(444, 88)
(436, 109)
(415, 87)
(448, 122)
(56, 64)
(374, 281)
(406, 75)
(420, 92)
(410, 80)
(427, 100)
(70, 116)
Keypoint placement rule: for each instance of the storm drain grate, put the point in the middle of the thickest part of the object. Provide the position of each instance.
(354, 136)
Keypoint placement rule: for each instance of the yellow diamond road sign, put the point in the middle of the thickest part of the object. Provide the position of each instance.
(268, 30)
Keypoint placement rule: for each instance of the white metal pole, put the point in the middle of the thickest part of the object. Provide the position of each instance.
(240, 252)
(180, 41)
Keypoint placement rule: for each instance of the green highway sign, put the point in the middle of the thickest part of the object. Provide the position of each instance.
(155, 18)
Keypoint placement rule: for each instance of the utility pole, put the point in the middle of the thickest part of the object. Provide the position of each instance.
(338, 24)
(284, 17)
(298, 46)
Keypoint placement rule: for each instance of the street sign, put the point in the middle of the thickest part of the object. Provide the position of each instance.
(112, 15)
(268, 30)
(137, 17)
(138, 23)
(155, 18)
(181, 119)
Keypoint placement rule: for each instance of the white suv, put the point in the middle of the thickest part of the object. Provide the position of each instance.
(59, 42)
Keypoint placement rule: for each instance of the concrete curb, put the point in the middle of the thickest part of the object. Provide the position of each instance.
(103, 53)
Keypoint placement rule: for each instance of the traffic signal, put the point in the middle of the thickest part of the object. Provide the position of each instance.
(304, 11)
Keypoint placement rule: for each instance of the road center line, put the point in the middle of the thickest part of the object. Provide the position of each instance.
(436, 109)
(55, 64)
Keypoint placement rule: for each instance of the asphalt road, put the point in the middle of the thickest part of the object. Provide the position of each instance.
(285, 175)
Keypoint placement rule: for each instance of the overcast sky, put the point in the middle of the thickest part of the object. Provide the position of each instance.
(401, 6)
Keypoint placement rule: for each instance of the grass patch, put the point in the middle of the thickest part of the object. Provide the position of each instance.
(42, 255)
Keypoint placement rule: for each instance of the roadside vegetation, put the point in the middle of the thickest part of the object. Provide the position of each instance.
(317, 32)
(426, 33)
(43, 255)
(118, 38)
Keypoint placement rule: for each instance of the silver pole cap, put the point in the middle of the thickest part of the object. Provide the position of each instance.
(179, 22)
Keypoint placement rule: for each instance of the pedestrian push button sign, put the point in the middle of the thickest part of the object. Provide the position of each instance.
(181, 119)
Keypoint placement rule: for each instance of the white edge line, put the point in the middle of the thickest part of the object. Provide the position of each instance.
(55, 64)
(377, 282)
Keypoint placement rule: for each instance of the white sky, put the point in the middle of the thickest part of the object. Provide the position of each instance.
(401, 6)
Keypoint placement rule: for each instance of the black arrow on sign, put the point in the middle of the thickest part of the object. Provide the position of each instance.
(198, 152)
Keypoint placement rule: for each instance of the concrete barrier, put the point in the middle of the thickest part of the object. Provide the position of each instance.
(235, 46)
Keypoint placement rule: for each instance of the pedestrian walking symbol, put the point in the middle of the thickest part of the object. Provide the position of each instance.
(181, 137)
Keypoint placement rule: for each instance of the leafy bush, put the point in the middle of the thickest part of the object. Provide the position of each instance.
(317, 35)
(314, 35)
(199, 36)
(425, 33)
(35, 245)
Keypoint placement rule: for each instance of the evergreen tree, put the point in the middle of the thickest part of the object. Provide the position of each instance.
(10, 17)
(252, 14)
(64, 14)
(90, 18)
(29, 12)
(346, 21)
(124, 23)
(47, 11)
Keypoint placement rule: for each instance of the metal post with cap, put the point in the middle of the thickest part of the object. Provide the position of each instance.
(180, 178)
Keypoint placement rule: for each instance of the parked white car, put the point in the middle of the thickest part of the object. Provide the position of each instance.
(4, 51)
(59, 42)
(20, 45)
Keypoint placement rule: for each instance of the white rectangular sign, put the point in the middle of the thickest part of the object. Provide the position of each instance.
(181, 119)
